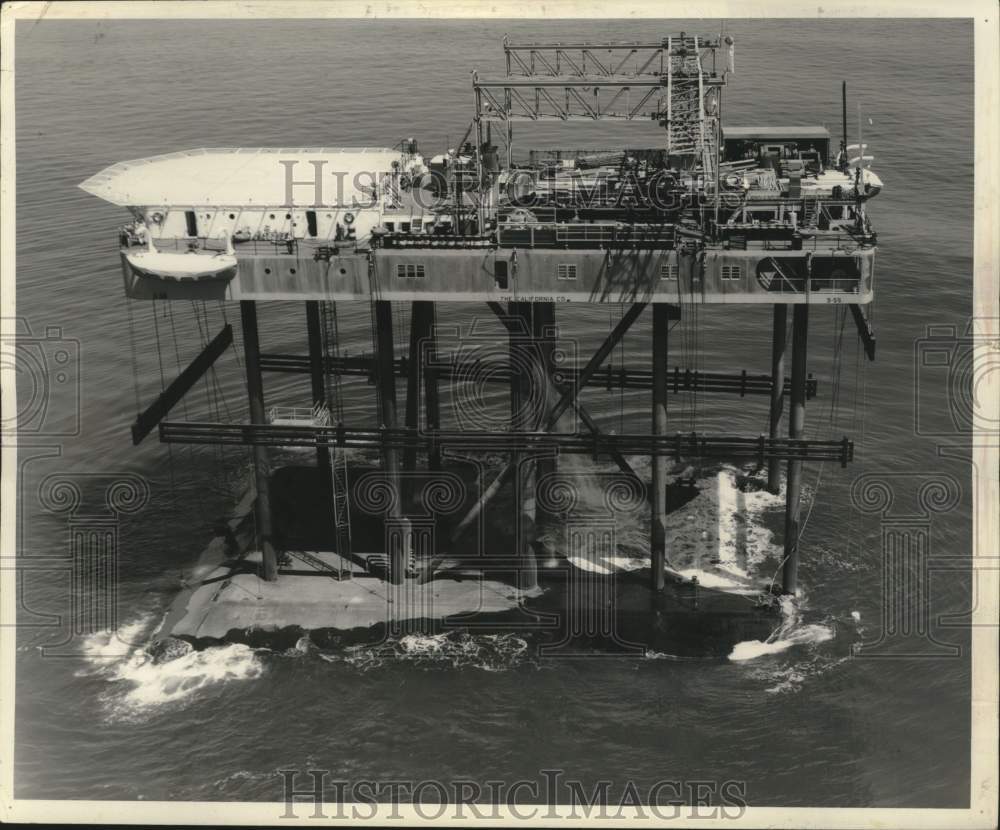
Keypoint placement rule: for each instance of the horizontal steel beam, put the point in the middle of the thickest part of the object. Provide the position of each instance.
(680, 444)
(706, 42)
(586, 82)
(502, 118)
(545, 81)
(608, 377)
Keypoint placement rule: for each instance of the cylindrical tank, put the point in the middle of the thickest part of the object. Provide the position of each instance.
(491, 159)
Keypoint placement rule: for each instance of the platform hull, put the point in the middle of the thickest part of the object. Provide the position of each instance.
(537, 275)
(573, 613)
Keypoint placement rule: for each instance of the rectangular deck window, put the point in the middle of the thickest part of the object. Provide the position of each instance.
(410, 271)
(668, 272)
(566, 271)
(732, 272)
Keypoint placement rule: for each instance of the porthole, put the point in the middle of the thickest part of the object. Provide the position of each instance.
(232, 215)
(272, 216)
(267, 270)
(291, 270)
(343, 271)
(288, 216)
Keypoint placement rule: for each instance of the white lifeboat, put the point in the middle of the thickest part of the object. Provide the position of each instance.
(187, 267)
(824, 183)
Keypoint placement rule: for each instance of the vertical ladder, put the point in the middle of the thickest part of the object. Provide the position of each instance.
(687, 130)
(670, 94)
(706, 126)
(340, 483)
(810, 211)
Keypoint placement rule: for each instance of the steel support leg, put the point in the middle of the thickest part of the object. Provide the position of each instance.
(777, 389)
(658, 503)
(796, 429)
(317, 370)
(386, 379)
(432, 402)
(261, 462)
(521, 382)
(421, 317)
(543, 321)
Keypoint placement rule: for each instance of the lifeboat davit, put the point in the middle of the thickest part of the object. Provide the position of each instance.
(187, 267)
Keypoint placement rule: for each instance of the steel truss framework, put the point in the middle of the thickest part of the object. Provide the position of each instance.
(617, 58)
(667, 80)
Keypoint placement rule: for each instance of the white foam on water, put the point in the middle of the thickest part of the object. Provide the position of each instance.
(790, 679)
(790, 633)
(154, 684)
(807, 634)
(424, 644)
(138, 683)
(488, 652)
(104, 649)
(112, 645)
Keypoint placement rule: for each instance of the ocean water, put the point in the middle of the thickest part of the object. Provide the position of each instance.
(798, 719)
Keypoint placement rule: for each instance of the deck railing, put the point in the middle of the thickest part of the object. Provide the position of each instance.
(317, 415)
(565, 234)
(432, 240)
(782, 284)
(212, 244)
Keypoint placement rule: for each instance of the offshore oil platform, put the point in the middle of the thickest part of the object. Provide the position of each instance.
(713, 215)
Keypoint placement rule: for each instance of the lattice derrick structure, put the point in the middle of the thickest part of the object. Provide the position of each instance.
(672, 80)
